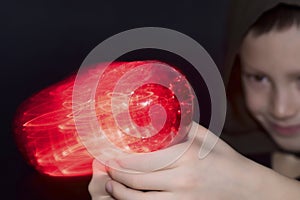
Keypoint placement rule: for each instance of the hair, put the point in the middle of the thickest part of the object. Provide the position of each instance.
(278, 18)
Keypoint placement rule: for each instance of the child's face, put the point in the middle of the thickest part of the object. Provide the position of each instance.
(271, 82)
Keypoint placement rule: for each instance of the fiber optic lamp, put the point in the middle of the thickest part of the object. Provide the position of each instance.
(140, 107)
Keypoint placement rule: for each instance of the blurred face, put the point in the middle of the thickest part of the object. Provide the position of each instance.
(271, 82)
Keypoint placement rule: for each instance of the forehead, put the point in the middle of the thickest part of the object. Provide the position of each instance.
(276, 51)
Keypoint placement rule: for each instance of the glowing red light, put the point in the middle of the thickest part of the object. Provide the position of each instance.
(139, 111)
(46, 134)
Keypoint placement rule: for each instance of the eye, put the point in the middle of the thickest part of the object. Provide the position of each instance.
(257, 78)
(256, 81)
(298, 81)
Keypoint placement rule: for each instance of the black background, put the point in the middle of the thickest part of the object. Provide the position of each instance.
(44, 41)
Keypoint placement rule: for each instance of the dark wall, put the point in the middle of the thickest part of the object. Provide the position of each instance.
(44, 41)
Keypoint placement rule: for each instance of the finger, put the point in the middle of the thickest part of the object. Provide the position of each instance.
(159, 180)
(97, 184)
(103, 198)
(121, 192)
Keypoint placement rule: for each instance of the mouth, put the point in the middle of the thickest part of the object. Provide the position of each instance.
(286, 130)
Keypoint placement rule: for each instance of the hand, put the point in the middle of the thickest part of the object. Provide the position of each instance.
(215, 177)
(98, 181)
(223, 174)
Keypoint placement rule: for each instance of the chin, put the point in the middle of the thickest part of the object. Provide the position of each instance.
(288, 144)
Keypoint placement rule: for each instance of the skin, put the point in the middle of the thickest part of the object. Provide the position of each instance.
(271, 80)
(272, 91)
(214, 177)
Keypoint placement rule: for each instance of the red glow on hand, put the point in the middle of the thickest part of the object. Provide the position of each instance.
(45, 129)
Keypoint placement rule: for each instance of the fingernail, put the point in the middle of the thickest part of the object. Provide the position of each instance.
(108, 187)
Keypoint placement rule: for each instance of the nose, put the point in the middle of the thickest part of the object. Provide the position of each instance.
(283, 105)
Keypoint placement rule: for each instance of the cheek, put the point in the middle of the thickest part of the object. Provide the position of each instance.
(256, 101)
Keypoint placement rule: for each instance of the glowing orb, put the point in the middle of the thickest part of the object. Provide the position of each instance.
(134, 110)
(142, 112)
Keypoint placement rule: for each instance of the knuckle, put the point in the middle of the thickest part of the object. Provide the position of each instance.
(186, 182)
